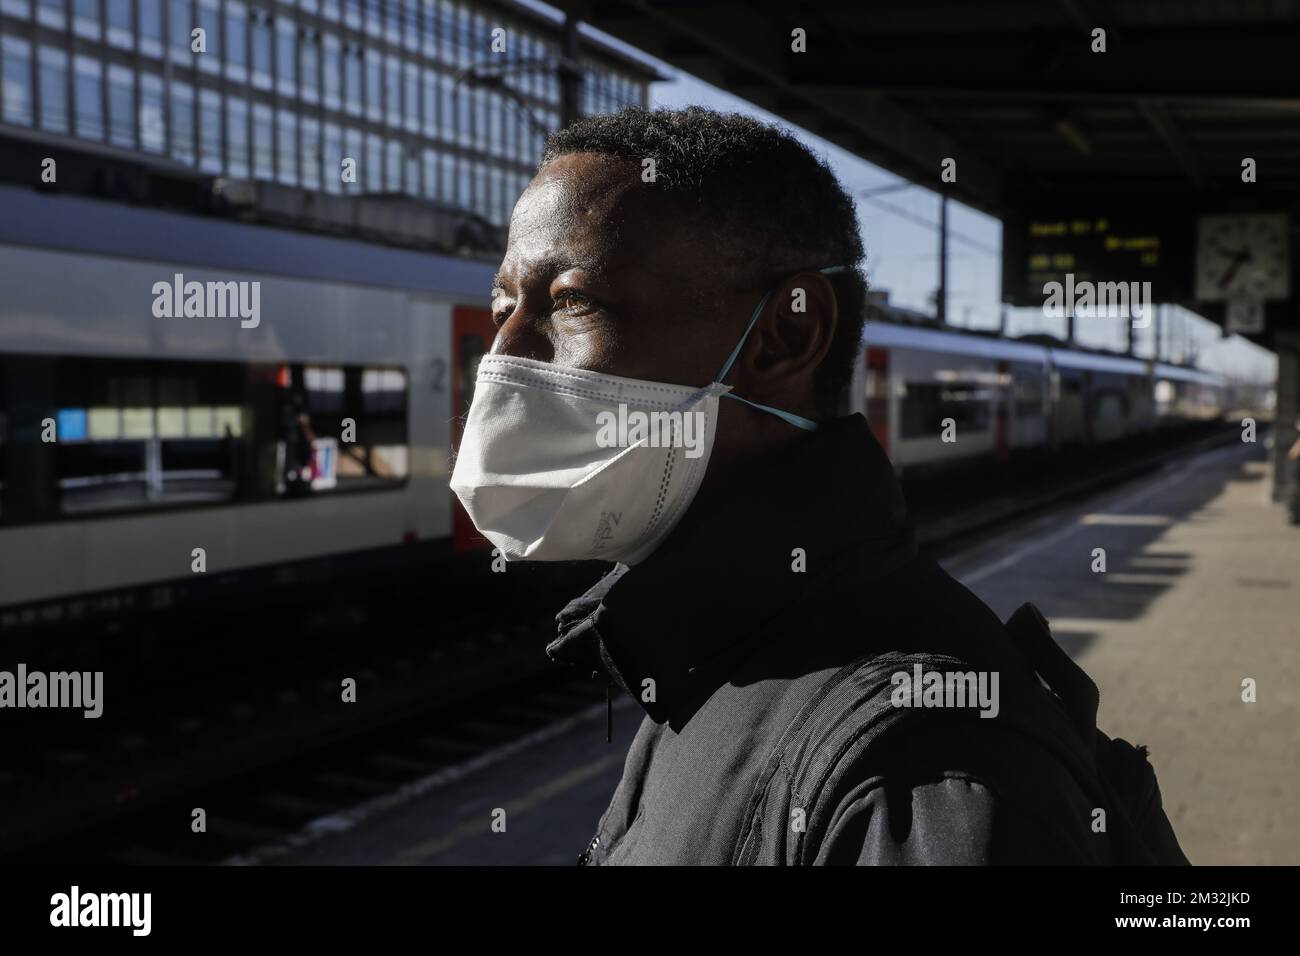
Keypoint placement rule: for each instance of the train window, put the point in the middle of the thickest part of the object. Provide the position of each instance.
(340, 428)
(324, 388)
(1110, 405)
(383, 390)
(145, 434)
(924, 407)
(142, 434)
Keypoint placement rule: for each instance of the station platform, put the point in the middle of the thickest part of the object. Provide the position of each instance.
(1201, 590)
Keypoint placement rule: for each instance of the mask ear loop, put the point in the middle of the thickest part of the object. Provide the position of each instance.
(798, 421)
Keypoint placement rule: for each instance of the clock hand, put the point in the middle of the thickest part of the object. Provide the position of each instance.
(1223, 283)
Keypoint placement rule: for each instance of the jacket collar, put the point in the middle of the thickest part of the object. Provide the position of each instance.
(686, 615)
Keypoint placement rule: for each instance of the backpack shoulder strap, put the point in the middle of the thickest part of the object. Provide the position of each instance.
(1142, 831)
(1032, 635)
(851, 709)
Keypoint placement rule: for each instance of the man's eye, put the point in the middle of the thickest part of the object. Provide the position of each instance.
(568, 299)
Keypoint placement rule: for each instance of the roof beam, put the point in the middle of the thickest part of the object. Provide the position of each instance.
(1217, 61)
(1174, 141)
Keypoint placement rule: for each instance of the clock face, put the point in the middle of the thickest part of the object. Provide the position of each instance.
(1243, 257)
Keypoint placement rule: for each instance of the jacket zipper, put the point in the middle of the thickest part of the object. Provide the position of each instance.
(585, 857)
(609, 707)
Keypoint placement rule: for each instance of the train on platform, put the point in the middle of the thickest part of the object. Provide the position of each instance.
(937, 398)
(136, 451)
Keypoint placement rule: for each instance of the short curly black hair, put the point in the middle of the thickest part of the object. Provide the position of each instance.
(780, 207)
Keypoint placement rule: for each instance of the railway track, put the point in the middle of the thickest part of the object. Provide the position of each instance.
(316, 790)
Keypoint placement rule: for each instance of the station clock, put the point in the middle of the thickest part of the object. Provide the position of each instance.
(1242, 256)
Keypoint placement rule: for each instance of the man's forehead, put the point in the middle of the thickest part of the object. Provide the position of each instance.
(589, 212)
(578, 194)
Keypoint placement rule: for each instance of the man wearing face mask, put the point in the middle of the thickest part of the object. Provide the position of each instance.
(679, 310)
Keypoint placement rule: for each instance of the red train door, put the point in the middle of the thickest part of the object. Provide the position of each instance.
(472, 333)
(1002, 394)
(877, 386)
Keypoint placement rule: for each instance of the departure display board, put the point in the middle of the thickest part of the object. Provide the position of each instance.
(1155, 248)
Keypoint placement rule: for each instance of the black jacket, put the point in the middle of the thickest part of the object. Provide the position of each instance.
(723, 642)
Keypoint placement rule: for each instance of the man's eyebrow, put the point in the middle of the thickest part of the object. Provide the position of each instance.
(555, 264)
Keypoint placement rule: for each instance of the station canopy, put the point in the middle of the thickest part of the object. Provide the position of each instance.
(1166, 131)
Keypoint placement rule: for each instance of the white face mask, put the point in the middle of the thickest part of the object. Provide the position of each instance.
(564, 464)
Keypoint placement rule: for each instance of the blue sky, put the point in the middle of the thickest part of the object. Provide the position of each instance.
(899, 227)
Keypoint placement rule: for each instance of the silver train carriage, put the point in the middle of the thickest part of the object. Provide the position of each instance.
(324, 426)
(937, 397)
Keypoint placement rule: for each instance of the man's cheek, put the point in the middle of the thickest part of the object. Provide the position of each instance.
(596, 350)
(675, 356)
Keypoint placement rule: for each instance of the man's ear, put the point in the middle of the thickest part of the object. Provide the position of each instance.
(795, 331)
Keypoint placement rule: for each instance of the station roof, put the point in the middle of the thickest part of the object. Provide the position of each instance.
(1013, 90)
